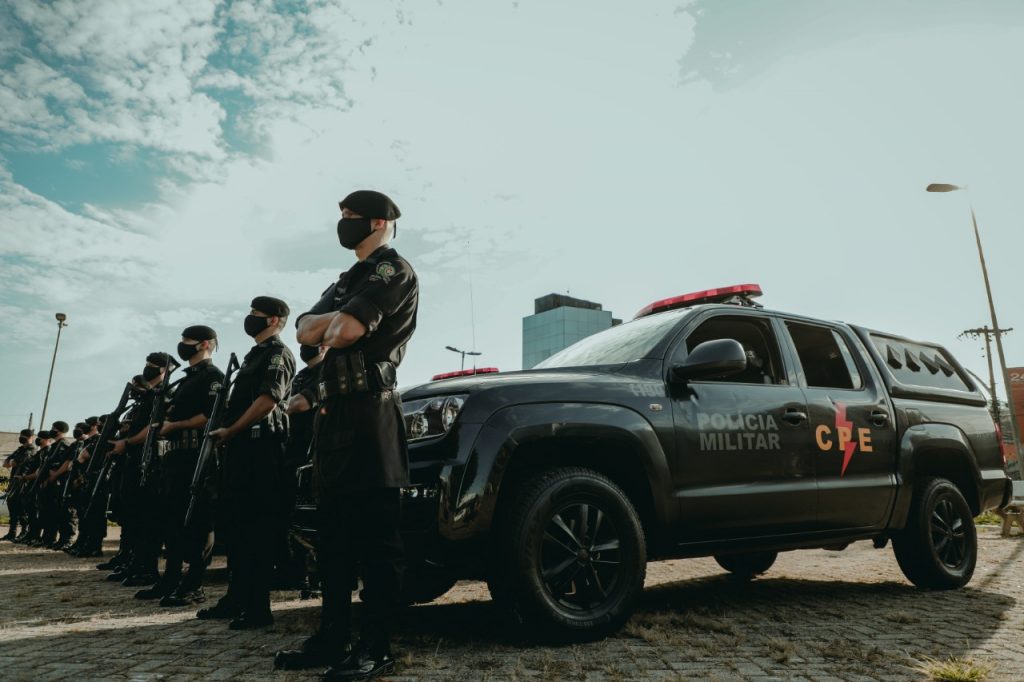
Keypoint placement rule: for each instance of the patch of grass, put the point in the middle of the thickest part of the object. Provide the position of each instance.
(989, 518)
(780, 650)
(901, 617)
(955, 669)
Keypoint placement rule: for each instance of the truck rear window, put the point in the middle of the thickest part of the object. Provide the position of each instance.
(918, 364)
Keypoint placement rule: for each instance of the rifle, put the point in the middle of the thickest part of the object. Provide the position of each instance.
(99, 450)
(72, 470)
(156, 421)
(206, 449)
(44, 466)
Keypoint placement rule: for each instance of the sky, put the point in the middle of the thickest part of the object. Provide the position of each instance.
(164, 161)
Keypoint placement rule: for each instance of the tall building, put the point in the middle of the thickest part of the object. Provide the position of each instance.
(559, 321)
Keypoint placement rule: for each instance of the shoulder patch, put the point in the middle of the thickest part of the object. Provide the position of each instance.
(385, 271)
(277, 360)
(214, 387)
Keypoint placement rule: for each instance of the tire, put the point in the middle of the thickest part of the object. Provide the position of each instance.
(572, 556)
(938, 548)
(747, 566)
(423, 584)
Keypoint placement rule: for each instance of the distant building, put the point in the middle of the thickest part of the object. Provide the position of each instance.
(559, 321)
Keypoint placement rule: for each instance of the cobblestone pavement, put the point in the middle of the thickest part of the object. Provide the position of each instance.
(816, 615)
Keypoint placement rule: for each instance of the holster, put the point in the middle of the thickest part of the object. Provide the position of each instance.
(344, 374)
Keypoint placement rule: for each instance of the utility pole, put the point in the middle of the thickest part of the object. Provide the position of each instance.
(61, 317)
(987, 334)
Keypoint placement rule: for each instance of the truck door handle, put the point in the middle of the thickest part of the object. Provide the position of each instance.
(879, 418)
(794, 417)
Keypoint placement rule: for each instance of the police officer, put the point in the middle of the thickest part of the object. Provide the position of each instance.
(33, 517)
(254, 437)
(143, 541)
(183, 428)
(60, 475)
(47, 495)
(16, 462)
(360, 461)
(78, 487)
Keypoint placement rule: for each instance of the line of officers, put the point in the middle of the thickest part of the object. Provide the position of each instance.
(341, 411)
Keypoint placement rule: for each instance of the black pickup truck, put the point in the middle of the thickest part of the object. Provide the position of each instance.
(707, 426)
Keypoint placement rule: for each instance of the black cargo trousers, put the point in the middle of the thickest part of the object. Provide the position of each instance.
(140, 518)
(250, 508)
(192, 544)
(359, 520)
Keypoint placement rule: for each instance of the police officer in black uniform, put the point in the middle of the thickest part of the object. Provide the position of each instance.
(137, 518)
(254, 438)
(47, 497)
(16, 462)
(60, 475)
(183, 428)
(78, 487)
(360, 462)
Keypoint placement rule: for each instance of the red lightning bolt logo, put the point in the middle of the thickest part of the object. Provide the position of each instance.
(843, 423)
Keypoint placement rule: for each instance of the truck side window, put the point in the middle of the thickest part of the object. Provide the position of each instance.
(826, 359)
(764, 364)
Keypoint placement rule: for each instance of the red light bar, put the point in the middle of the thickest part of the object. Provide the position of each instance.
(464, 373)
(696, 298)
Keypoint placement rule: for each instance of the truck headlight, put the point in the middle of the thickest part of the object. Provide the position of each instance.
(431, 417)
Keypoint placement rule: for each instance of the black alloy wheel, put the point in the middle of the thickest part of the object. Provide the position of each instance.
(949, 533)
(938, 547)
(571, 557)
(581, 556)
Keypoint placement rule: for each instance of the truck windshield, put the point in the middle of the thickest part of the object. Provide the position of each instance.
(627, 342)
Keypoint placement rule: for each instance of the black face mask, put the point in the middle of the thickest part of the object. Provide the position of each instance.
(254, 324)
(186, 351)
(150, 373)
(307, 353)
(77, 433)
(352, 231)
(39, 443)
(23, 440)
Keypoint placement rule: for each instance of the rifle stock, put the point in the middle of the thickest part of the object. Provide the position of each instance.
(208, 446)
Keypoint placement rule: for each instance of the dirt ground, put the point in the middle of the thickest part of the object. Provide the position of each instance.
(817, 615)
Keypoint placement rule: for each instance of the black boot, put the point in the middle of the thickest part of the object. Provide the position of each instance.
(223, 609)
(184, 598)
(363, 663)
(317, 651)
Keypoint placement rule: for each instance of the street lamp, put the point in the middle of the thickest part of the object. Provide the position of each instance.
(60, 325)
(996, 329)
(463, 353)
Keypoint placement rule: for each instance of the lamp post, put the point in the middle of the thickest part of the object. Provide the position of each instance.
(463, 353)
(60, 325)
(997, 331)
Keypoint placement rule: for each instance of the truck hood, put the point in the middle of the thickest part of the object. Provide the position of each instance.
(482, 382)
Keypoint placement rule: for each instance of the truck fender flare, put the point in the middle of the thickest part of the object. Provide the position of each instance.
(920, 441)
(508, 430)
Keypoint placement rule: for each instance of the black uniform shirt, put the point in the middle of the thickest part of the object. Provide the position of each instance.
(267, 369)
(18, 457)
(196, 392)
(58, 453)
(383, 293)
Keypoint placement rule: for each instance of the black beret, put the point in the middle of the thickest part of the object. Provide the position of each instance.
(92, 421)
(46, 434)
(370, 204)
(199, 332)
(60, 426)
(82, 426)
(157, 358)
(270, 306)
(27, 432)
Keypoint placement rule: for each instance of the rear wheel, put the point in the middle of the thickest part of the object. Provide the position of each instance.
(748, 565)
(572, 556)
(938, 548)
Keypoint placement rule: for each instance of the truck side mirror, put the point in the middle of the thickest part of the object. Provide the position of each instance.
(715, 359)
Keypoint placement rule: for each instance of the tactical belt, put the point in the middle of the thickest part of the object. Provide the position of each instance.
(186, 439)
(348, 374)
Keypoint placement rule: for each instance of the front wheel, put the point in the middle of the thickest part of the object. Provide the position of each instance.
(572, 557)
(938, 549)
